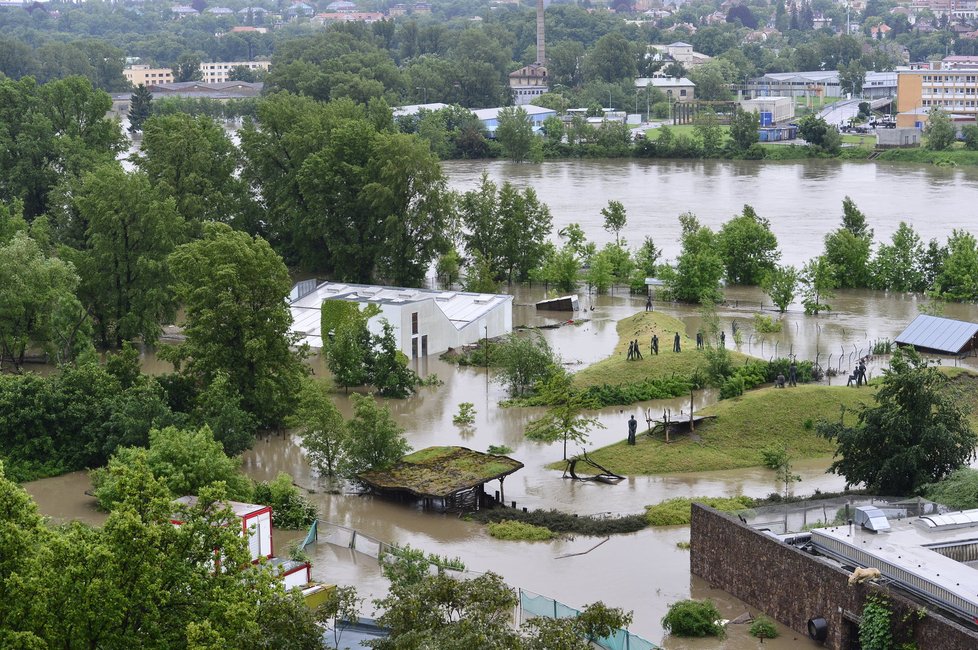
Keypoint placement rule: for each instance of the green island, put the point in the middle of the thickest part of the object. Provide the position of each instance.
(617, 369)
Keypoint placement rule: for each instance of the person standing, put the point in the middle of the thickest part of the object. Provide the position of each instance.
(632, 429)
(631, 350)
(723, 339)
(699, 340)
(655, 345)
(793, 374)
(648, 304)
(638, 350)
(675, 344)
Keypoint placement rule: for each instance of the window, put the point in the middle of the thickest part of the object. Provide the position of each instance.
(414, 323)
(682, 93)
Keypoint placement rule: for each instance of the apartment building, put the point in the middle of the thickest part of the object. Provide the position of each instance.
(953, 91)
(212, 72)
(144, 75)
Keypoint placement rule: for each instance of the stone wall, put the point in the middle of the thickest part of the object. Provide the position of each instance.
(792, 586)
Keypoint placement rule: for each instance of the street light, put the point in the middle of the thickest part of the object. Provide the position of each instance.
(425, 89)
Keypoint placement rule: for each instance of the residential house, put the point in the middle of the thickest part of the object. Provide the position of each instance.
(182, 11)
(424, 321)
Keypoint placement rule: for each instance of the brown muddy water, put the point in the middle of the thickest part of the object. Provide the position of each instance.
(643, 572)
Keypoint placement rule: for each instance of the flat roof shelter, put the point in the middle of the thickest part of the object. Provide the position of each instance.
(449, 477)
(425, 321)
(939, 335)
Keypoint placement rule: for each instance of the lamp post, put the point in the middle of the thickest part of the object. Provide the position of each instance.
(425, 90)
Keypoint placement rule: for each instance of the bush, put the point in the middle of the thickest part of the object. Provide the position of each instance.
(499, 450)
(693, 618)
(732, 387)
(517, 530)
(763, 628)
(678, 511)
(958, 491)
(465, 415)
(290, 509)
(766, 324)
(562, 522)
(806, 370)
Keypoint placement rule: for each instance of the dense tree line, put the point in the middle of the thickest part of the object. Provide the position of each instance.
(138, 580)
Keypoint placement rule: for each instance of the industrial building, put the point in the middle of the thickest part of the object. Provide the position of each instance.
(425, 321)
(770, 110)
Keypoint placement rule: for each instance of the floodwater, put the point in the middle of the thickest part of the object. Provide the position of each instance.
(645, 571)
(802, 199)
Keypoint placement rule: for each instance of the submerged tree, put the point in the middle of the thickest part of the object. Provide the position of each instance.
(374, 440)
(565, 419)
(916, 433)
(780, 285)
(699, 266)
(817, 280)
(748, 247)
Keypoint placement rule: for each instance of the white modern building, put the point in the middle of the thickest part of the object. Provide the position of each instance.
(424, 321)
(490, 116)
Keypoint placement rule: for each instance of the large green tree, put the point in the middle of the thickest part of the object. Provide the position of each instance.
(233, 288)
(50, 134)
(192, 159)
(940, 130)
(743, 129)
(140, 581)
(34, 291)
(515, 133)
(899, 266)
(916, 433)
(324, 433)
(507, 227)
(958, 279)
(847, 249)
(748, 247)
(699, 267)
(564, 420)
(374, 439)
(129, 231)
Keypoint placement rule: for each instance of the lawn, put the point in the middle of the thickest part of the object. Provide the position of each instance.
(745, 425)
(617, 369)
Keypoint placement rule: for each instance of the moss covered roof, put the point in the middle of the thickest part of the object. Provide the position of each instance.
(441, 471)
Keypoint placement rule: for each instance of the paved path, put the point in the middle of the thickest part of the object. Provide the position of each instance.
(840, 112)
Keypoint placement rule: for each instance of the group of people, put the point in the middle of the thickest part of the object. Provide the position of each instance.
(792, 380)
(859, 374)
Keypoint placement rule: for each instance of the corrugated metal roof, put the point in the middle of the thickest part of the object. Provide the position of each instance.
(938, 334)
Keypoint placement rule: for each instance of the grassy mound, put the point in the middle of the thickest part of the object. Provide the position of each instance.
(744, 427)
(617, 370)
(679, 511)
(517, 530)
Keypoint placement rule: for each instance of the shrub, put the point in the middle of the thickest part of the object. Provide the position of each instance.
(518, 530)
(678, 511)
(465, 415)
(763, 628)
(958, 491)
(806, 370)
(562, 522)
(766, 324)
(732, 387)
(500, 450)
(693, 618)
(290, 509)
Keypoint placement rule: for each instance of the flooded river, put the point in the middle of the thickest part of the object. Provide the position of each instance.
(645, 571)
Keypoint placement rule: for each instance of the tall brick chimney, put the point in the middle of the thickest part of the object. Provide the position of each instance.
(541, 58)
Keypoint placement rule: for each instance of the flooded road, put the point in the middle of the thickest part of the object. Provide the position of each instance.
(644, 571)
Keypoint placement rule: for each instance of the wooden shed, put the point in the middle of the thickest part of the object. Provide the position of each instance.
(452, 478)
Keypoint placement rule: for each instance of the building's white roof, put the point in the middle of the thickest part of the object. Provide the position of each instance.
(461, 308)
(239, 509)
(679, 44)
(414, 109)
(493, 113)
(815, 76)
(664, 82)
